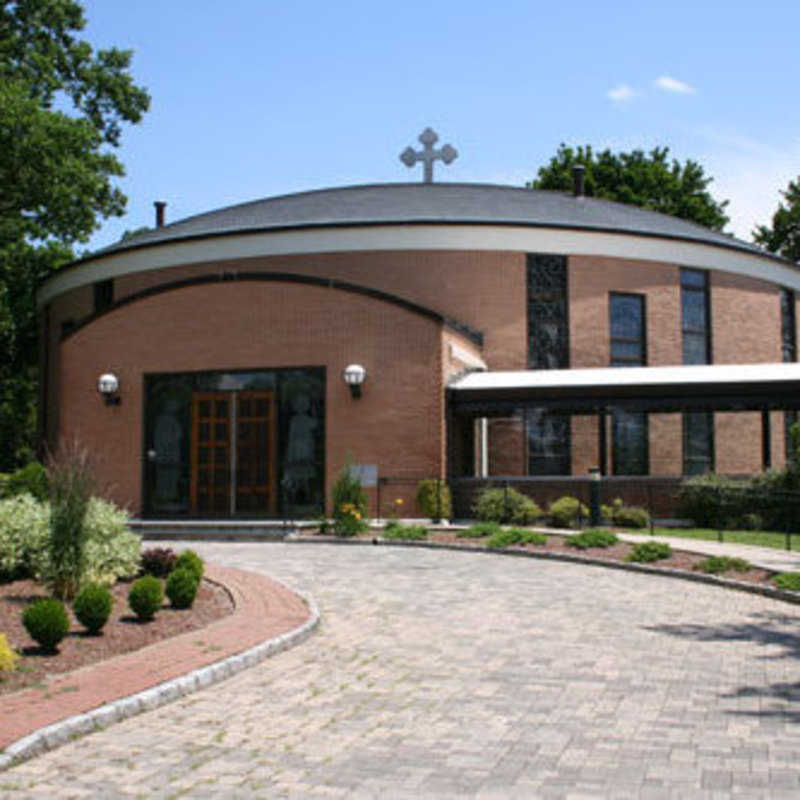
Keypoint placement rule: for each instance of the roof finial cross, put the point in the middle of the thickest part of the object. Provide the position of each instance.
(428, 154)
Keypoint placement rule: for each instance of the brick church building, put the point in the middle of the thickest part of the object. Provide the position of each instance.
(499, 332)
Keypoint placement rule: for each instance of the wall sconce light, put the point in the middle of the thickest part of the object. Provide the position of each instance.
(354, 376)
(108, 386)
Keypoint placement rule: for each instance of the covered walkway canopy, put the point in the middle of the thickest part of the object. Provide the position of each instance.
(747, 387)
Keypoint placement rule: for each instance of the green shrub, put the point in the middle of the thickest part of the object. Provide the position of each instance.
(8, 656)
(188, 559)
(505, 505)
(70, 479)
(717, 564)
(789, 581)
(646, 552)
(625, 516)
(593, 537)
(181, 587)
(146, 597)
(92, 607)
(47, 622)
(30, 479)
(710, 500)
(158, 561)
(24, 534)
(349, 504)
(479, 530)
(112, 552)
(567, 511)
(434, 500)
(394, 530)
(505, 538)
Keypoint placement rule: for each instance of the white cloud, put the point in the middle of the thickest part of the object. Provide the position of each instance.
(668, 84)
(621, 94)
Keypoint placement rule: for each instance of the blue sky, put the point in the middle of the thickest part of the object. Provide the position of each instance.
(252, 99)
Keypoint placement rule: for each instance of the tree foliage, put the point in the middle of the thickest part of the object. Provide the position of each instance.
(62, 107)
(783, 236)
(650, 180)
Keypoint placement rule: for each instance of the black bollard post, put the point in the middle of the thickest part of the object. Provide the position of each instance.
(594, 496)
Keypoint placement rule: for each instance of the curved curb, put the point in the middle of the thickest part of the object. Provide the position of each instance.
(52, 736)
(697, 577)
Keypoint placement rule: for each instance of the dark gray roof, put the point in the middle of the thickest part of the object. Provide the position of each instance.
(409, 203)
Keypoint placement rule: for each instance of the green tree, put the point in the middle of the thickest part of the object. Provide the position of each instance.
(56, 173)
(650, 180)
(783, 237)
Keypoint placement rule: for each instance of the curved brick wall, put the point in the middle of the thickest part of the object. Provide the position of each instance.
(216, 326)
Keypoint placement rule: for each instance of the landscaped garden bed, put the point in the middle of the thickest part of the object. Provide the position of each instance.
(558, 544)
(122, 633)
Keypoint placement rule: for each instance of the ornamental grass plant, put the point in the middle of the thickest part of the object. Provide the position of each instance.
(70, 479)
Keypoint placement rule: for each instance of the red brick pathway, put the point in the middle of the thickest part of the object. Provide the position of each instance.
(263, 609)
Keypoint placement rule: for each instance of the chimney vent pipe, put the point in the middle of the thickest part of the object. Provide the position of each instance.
(578, 171)
(160, 206)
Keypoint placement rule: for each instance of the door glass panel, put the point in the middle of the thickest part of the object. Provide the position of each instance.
(278, 443)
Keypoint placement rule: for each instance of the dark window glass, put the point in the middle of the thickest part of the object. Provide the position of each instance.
(548, 340)
(103, 295)
(629, 430)
(630, 452)
(549, 451)
(789, 353)
(698, 442)
(627, 326)
(788, 328)
(695, 317)
(67, 326)
(698, 426)
(548, 442)
(695, 348)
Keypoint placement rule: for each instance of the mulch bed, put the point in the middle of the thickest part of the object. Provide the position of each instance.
(121, 634)
(556, 543)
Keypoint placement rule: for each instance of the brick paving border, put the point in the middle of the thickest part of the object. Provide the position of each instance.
(268, 617)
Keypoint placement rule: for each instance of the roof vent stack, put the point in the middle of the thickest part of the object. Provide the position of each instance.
(578, 172)
(160, 206)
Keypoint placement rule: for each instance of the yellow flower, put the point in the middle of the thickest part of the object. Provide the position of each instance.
(399, 501)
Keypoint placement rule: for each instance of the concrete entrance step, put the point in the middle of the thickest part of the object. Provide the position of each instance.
(217, 530)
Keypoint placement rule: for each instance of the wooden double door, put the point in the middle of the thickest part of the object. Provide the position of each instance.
(233, 453)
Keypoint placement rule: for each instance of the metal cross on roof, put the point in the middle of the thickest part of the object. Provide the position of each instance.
(428, 154)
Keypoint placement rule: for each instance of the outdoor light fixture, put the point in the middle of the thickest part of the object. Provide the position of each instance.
(354, 376)
(108, 386)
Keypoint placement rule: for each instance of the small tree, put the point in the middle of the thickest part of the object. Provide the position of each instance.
(70, 479)
(783, 236)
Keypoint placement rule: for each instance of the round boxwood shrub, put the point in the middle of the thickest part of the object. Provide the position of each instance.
(47, 622)
(93, 607)
(146, 597)
(181, 587)
(592, 537)
(188, 559)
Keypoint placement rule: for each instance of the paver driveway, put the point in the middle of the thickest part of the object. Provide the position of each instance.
(442, 674)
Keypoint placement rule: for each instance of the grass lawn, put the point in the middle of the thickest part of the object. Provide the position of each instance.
(760, 538)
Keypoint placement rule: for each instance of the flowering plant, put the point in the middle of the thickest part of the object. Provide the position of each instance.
(349, 504)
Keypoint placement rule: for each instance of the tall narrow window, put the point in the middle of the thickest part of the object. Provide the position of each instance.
(629, 429)
(698, 426)
(548, 434)
(103, 295)
(789, 353)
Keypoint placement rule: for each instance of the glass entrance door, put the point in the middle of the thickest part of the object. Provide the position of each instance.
(233, 452)
(240, 443)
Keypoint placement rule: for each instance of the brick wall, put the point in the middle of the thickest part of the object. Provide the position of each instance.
(397, 423)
